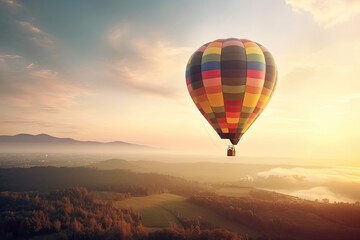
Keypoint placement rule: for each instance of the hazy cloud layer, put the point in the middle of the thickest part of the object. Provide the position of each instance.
(320, 193)
(52, 126)
(146, 64)
(36, 35)
(12, 3)
(7, 59)
(30, 27)
(336, 184)
(327, 12)
(26, 86)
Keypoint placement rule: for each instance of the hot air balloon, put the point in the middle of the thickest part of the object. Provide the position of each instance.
(231, 81)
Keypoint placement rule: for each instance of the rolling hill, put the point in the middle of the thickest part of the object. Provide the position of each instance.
(52, 178)
(198, 171)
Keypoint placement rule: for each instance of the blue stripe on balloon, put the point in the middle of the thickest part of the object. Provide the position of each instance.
(187, 73)
(210, 66)
(256, 66)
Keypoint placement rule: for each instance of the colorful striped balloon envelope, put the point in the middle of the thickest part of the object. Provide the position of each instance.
(231, 81)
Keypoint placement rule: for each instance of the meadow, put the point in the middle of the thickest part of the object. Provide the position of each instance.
(162, 210)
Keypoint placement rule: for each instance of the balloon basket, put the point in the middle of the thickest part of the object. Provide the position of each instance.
(231, 152)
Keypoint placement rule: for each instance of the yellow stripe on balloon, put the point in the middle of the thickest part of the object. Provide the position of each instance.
(250, 99)
(264, 98)
(206, 107)
(253, 50)
(212, 50)
(216, 99)
(232, 120)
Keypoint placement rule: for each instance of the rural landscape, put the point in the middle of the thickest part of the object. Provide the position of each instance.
(179, 120)
(82, 197)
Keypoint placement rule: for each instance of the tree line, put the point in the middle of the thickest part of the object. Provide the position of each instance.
(52, 178)
(75, 214)
(287, 217)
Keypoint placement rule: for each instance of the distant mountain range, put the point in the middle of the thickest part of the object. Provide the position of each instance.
(44, 142)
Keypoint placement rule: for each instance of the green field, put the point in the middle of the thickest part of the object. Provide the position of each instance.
(158, 211)
(153, 214)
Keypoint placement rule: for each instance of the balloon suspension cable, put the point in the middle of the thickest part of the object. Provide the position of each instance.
(231, 152)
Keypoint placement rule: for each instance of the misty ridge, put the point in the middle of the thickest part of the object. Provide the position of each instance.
(336, 184)
(60, 188)
(23, 143)
(332, 183)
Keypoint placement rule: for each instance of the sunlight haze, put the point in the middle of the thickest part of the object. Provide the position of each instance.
(114, 71)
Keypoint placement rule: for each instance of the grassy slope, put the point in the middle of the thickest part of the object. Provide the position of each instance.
(158, 211)
(151, 210)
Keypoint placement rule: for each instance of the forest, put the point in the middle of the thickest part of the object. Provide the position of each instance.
(287, 217)
(74, 214)
(52, 178)
(87, 203)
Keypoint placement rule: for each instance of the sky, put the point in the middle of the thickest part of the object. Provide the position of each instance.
(115, 70)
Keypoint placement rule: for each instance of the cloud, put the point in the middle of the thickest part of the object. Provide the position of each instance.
(44, 95)
(117, 35)
(319, 193)
(327, 13)
(30, 66)
(12, 3)
(27, 122)
(44, 73)
(37, 35)
(146, 64)
(8, 61)
(30, 27)
(338, 183)
(40, 123)
(316, 175)
(7, 57)
(41, 90)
